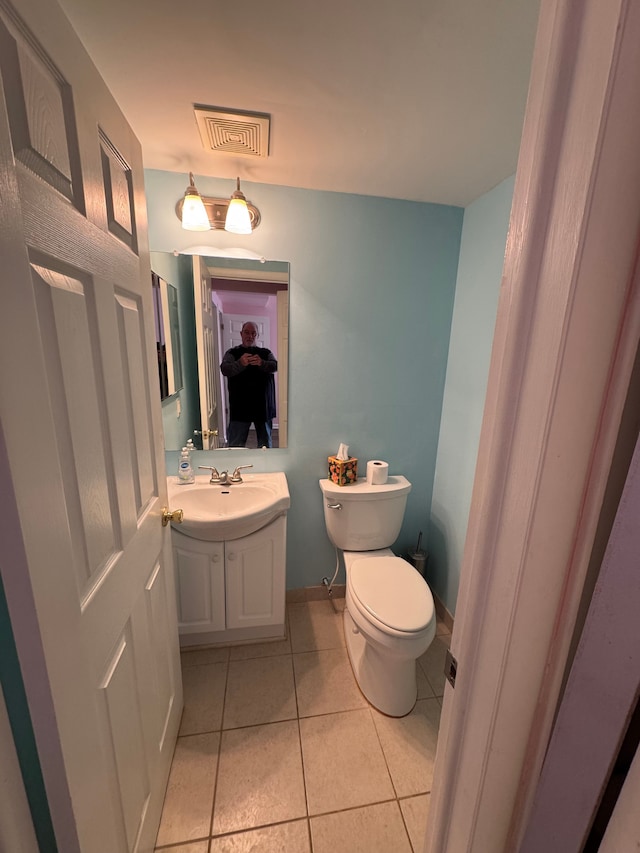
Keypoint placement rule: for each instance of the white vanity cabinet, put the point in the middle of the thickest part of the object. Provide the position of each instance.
(231, 591)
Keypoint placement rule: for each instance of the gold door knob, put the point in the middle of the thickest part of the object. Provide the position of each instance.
(176, 515)
(207, 433)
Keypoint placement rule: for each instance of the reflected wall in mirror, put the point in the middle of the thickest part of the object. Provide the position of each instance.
(216, 296)
(165, 310)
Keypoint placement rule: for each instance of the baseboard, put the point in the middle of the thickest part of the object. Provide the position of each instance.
(442, 614)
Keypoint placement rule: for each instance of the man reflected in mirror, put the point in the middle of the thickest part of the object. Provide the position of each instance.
(252, 396)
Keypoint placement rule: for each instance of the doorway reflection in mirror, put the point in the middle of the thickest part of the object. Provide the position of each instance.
(249, 369)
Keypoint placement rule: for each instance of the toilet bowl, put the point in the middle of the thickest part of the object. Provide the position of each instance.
(389, 621)
(389, 618)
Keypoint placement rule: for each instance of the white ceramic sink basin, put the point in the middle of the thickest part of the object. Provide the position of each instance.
(217, 513)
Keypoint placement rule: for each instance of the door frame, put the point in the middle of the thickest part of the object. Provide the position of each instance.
(587, 732)
(567, 332)
(207, 346)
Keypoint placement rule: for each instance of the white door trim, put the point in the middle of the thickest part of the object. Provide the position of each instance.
(566, 335)
(589, 728)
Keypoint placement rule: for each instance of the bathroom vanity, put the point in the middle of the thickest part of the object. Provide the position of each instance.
(230, 588)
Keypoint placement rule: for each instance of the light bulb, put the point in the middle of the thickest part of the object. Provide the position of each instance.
(194, 214)
(238, 219)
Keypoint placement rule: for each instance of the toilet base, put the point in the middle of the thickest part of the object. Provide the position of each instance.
(388, 683)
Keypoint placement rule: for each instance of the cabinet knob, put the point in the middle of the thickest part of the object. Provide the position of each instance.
(216, 558)
(231, 556)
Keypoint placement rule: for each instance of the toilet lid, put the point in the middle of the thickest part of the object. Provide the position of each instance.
(392, 591)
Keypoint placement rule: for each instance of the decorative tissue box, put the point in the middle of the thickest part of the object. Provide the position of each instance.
(343, 472)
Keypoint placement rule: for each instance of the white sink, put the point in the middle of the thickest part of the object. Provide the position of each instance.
(219, 513)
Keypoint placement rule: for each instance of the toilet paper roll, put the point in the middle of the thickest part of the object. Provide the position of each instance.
(377, 472)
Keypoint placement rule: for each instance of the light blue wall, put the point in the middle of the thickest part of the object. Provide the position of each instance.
(482, 250)
(371, 300)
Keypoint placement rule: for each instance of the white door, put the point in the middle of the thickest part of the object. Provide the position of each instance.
(566, 337)
(87, 566)
(232, 325)
(207, 350)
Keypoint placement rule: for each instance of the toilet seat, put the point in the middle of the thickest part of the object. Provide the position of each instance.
(392, 592)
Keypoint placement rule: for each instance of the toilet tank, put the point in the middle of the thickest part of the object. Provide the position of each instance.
(364, 517)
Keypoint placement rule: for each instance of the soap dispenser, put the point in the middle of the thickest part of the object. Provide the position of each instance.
(185, 469)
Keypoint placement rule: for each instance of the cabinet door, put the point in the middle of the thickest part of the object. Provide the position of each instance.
(199, 584)
(255, 575)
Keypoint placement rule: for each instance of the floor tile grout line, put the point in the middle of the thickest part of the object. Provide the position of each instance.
(257, 828)
(304, 787)
(217, 773)
(384, 754)
(364, 806)
(176, 845)
(295, 690)
(406, 828)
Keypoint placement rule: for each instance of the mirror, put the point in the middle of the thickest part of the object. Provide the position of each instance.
(165, 310)
(216, 297)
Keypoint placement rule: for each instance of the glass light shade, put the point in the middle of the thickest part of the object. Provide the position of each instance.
(194, 214)
(238, 220)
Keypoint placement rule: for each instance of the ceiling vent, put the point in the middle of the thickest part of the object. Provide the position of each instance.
(233, 132)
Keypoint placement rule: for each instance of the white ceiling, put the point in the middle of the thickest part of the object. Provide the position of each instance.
(411, 99)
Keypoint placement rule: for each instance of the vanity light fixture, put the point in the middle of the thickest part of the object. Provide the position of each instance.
(193, 213)
(234, 214)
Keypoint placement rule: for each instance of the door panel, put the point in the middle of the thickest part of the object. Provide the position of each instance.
(233, 324)
(255, 577)
(125, 725)
(200, 581)
(63, 303)
(82, 426)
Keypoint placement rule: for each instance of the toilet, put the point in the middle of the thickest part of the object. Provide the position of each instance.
(389, 617)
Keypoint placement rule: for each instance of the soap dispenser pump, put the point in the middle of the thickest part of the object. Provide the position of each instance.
(185, 469)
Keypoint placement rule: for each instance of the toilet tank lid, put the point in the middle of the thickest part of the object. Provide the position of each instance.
(363, 491)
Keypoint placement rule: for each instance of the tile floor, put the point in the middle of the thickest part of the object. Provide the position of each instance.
(279, 750)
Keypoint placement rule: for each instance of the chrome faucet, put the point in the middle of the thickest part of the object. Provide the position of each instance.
(217, 479)
(236, 476)
(223, 478)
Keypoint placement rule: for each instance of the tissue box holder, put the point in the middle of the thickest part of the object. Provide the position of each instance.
(343, 472)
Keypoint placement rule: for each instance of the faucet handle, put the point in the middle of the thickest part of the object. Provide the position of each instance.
(215, 477)
(236, 476)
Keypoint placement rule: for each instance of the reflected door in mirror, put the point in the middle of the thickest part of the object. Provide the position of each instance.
(165, 306)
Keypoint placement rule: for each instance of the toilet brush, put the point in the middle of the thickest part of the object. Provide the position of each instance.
(418, 557)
